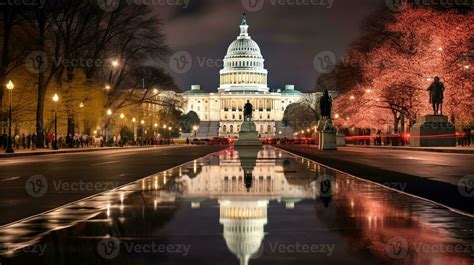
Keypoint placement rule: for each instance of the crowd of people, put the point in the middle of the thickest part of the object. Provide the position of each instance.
(30, 141)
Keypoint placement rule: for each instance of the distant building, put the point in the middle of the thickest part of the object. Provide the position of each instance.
(243, 78)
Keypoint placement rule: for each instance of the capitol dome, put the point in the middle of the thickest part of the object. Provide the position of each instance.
(244, 47)
(243, 65)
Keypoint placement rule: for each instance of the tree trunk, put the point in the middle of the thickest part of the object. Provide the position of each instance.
(3, 123)
(7, 26)
(396, 119)
(402, 122)
(41, 84)
(40, 111)
(71, 125)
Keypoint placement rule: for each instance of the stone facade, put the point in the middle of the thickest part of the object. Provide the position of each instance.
(242, 78)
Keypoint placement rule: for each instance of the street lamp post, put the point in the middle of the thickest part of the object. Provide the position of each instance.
(109, 113)
(155, 134)
(142, 122)
(55, 142)
(122, 116)
(9, 149)
(115, 65)
(169, 134)
(133, 129)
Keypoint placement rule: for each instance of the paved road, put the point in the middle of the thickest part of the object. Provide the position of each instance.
(443, 167)
(70, 177)
(430, 175)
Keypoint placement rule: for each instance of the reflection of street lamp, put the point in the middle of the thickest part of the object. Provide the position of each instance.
(9, 149)
(55, 143)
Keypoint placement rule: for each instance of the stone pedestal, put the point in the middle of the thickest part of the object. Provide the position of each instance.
(433, 130)
(327, 135)
(248, 135)
(340, 139)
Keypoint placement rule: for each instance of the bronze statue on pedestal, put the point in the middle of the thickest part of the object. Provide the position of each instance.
(436, 90)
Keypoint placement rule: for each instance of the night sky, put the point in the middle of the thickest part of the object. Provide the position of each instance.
(289, 36)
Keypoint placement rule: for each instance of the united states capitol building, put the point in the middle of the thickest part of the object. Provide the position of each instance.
(243, 78)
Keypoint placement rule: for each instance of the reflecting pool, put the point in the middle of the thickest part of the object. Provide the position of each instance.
(244, 207)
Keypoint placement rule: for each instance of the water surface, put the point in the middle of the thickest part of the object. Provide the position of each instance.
(226, 208)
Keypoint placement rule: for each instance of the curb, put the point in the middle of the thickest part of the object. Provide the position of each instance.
(423, 149)
(51, 152)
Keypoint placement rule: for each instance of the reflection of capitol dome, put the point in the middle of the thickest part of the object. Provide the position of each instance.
(244, 64)
(243, 226)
